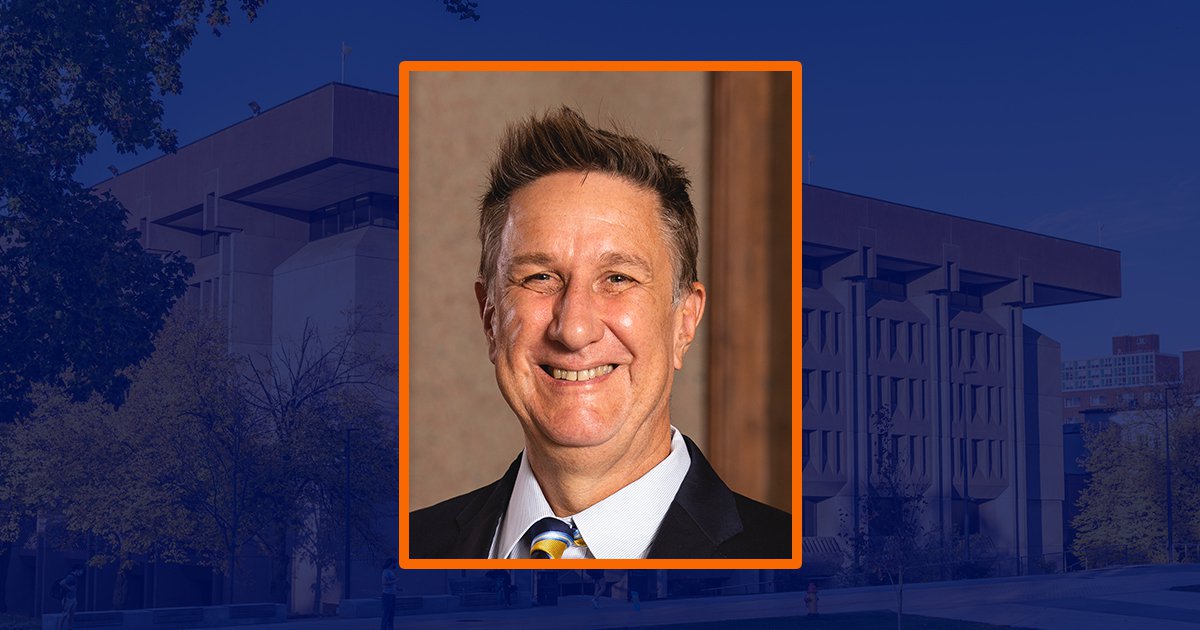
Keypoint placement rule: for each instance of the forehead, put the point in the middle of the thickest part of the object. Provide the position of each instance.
(577, 213)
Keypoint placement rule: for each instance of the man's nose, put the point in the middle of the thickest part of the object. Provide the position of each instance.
(577, 321)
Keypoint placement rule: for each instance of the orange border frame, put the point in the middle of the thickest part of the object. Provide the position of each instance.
(408, 67)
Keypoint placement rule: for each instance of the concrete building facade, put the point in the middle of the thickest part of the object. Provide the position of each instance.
(290, 217)
(920, 315)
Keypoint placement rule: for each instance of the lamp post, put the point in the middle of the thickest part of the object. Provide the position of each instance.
(346, 580)
(1167, 447)
(966, 471)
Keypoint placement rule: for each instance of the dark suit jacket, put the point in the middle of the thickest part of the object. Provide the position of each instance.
(706, 520)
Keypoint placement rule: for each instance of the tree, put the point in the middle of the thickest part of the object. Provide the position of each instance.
(164, 475)
(80, 465)
(1122, 511)
(212, 455)
(319, 394)
(79, 298)
(464, 9)
(894, 541)
(215, 455)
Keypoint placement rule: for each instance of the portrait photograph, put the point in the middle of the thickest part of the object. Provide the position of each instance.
(601, 315)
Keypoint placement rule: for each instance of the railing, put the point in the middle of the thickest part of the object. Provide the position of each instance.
(718, 590)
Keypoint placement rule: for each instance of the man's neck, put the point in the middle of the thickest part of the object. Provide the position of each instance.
(575, 478)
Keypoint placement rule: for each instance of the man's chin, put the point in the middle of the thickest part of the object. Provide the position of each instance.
(577, 432)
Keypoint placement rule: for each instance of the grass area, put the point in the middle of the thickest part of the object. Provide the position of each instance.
(1190, 588)
(878, 619)
(13, 622)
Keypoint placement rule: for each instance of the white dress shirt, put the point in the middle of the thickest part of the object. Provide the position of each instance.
(623, 525)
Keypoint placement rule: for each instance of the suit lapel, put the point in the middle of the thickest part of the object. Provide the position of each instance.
(477, 521)
(702, 516)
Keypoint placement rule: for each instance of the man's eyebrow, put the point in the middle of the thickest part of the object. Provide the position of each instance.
(615, 259)
(607, 259)
(539, 259)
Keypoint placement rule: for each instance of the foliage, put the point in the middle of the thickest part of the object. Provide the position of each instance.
(1122, 511)
(200, 464)
(79, 298)
(465, 9)
(87, 466)
(323, 401)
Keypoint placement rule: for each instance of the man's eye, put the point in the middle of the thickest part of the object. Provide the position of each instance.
(617, 278)
(543, 282)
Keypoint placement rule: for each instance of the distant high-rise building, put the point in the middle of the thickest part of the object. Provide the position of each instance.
(1191, 370)
(1128, 378)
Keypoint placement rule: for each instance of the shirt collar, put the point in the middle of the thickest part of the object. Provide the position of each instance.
(622, 525)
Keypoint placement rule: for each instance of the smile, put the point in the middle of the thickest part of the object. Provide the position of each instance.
(577, 375)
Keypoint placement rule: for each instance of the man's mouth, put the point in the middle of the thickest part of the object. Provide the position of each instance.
(578, 375)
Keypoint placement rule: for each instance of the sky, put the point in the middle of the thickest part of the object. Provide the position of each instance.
(1077, 120)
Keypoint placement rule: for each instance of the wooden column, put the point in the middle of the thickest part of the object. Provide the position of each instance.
(749, 308)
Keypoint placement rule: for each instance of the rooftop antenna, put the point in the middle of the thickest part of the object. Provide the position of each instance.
(345, 53)
(810, 161)
(1100, 235)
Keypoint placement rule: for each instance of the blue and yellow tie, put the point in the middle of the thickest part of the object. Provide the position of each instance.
(550, 537)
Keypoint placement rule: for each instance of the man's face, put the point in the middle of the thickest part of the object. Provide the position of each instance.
(580, 320)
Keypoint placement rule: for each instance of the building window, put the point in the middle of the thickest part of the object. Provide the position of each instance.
(351, 214)
(965, 301)
(889, 285)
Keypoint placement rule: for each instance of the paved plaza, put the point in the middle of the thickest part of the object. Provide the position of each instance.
(1119, 598)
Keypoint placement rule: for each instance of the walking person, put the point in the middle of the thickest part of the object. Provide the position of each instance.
(597, 576)
(69, 587)
(389, 580)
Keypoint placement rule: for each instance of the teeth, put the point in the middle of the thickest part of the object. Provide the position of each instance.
(580, 375)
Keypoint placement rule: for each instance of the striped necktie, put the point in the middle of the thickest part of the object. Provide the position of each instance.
(549, 538)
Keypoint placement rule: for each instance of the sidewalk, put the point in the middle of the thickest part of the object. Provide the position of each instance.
(1121, 598)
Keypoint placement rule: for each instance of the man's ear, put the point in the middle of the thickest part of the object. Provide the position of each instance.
(691, 310)
(487, 312)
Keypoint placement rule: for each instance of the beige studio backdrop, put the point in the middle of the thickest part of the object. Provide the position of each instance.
(463, 435)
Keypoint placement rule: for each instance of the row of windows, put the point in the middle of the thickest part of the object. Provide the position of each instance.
(896, 339)
(358, 212)
(351, 214)
(978, 403)
(906, 396)
(827, 386)
(826, 445)
(1069, 373)
(1101, 362)
(976, 349)
(907, 454)
(985, 456)
(887, 289)
(1126, 399)
(1093, 383)
(827, 325)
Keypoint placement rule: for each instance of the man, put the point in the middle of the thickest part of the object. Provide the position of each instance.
(590, 299)
(388, 580)
(69, 586)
